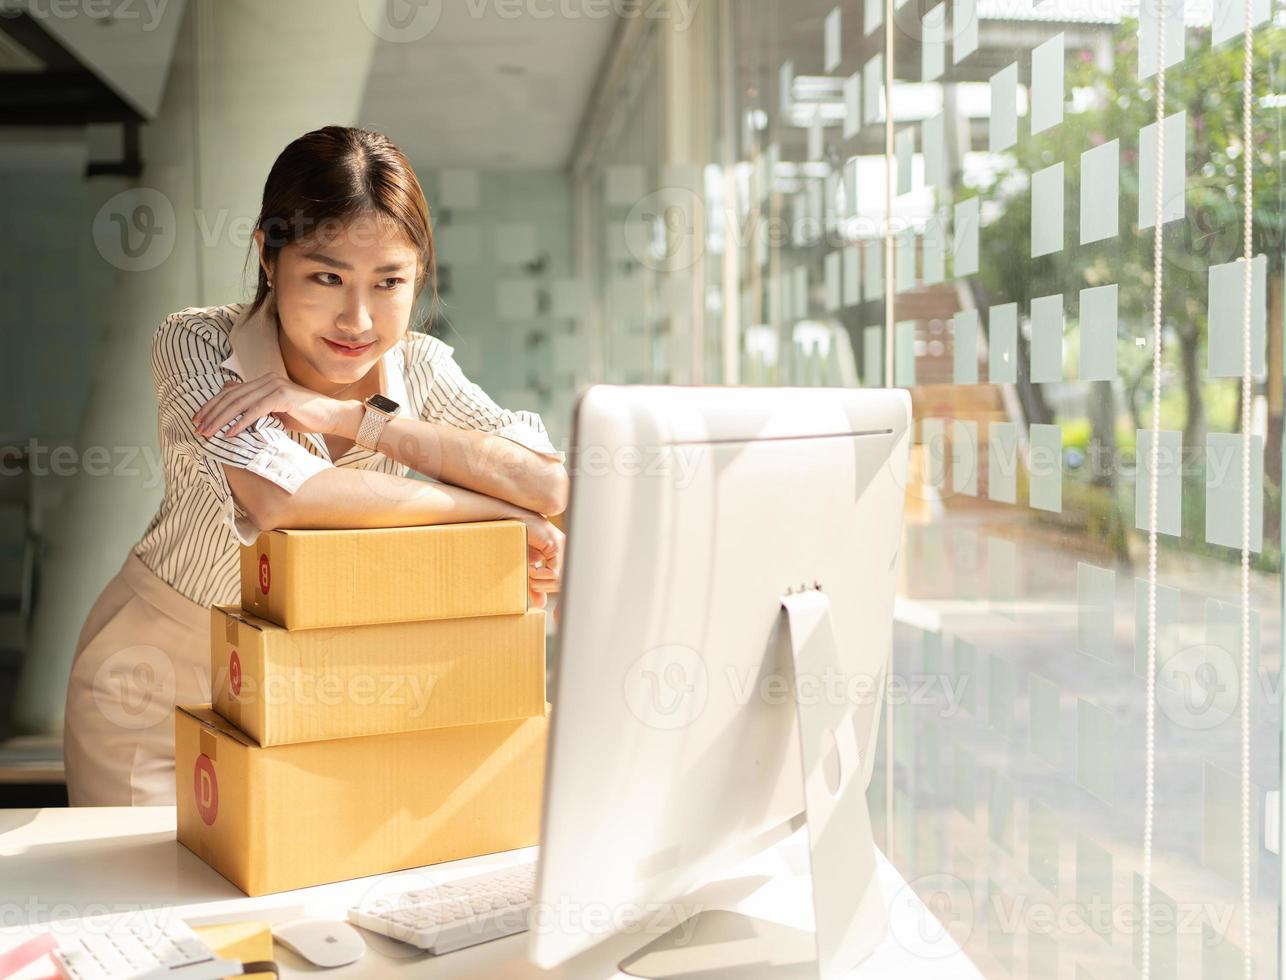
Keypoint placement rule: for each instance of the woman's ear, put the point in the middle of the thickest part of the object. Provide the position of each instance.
(263, 263)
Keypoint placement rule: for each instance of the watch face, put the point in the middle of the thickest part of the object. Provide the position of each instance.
(383, 404)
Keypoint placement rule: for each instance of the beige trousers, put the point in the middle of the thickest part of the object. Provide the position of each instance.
(144, 648)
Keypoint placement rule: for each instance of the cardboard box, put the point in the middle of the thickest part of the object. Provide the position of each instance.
(290, 816)
(314, 579)
(281, 686)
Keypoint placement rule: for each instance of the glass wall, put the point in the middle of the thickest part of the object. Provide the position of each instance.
(961, 199)
(1025, 189)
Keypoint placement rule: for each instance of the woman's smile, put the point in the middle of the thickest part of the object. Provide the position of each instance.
(345, 349)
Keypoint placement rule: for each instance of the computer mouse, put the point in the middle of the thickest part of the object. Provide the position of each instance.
(322, 942)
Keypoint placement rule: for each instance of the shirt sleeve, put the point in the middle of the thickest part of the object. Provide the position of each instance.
(456, 400)
(187, 371)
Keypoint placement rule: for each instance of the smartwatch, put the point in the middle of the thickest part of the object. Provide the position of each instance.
(379, 409)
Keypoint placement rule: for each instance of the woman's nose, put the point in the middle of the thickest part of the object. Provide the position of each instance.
(356, 316)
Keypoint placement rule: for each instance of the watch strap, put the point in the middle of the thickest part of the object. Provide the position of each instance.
(368, 433)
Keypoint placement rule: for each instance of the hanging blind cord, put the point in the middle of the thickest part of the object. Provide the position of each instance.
(1149, 746)
(1247, 195)
(1247, 201)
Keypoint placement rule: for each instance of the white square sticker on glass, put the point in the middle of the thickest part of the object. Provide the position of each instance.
(1169, 635)
(516, 299)
(516, 243)
(1002, 571)
(1230, 18)
(851, 172)
(873, 269)
(1046, 740)
(1096, 611)
(964, 457)
(774, 299)
(834, 284)
(1222, 649)
(873, 356)
(815, 211)
(1047, 339)
(1224, 490)
(625, 184)
(459, 188)
(1174, 172)
(1225, 317)
(904, 354)
(834, 199)
(904, 151)
(964, 30)
(933, 437)
(459, 244)
(1047, 84)
(1047, 210)
(767, 169)
(873, 89)
(1002, 462)
(1002, 344)
(933, 43)
(1045, 465)
(1100, 191)
(1220, 806)
(932, 138)
(965, 237)
(618, 245)
(799, 292)
(904, 260)
(1098, 331)
(965, 343)
(1149, 36)
(934, 248)
(1002, 129)
(872, 15)
(852, 264)
(816, 138)
(786, 88)
(852, 105)
(570, 298)
(831, 41)
(1169, 481)
(1097, 750)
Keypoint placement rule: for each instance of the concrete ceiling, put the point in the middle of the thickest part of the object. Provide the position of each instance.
(483, 87)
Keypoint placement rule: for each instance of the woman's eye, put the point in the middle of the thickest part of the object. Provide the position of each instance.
(323, 282)
(393, 283)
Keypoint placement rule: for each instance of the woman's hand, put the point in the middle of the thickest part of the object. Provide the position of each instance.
(300, 409)
(545, 544)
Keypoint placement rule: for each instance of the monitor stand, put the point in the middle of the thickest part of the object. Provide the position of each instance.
(848, 905)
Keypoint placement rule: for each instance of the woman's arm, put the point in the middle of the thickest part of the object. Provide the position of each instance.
(471, 458)
(338, 497)
(341, 497)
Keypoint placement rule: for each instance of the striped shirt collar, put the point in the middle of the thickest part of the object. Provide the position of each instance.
(256, 351)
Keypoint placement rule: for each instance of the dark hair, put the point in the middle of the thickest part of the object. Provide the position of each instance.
(334, 174)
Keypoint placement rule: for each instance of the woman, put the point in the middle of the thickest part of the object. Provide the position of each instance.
(265, 422)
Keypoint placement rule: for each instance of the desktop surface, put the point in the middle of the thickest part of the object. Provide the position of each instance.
(70, 862)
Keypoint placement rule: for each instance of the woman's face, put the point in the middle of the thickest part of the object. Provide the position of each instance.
(344, 299)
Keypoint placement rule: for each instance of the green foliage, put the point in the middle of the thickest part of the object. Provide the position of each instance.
(1207, 87)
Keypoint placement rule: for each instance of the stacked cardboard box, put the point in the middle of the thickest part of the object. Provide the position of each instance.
(378, 704)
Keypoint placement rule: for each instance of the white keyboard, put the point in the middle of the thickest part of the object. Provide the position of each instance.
(146, 945)
(455, 914)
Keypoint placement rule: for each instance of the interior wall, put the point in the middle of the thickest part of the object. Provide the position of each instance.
(231, 103)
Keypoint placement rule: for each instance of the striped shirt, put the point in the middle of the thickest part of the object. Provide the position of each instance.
(193, 541)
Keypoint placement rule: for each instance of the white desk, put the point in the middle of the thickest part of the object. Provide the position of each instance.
(58, 864)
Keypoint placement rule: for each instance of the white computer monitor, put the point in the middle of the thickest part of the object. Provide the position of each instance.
(673, 742)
